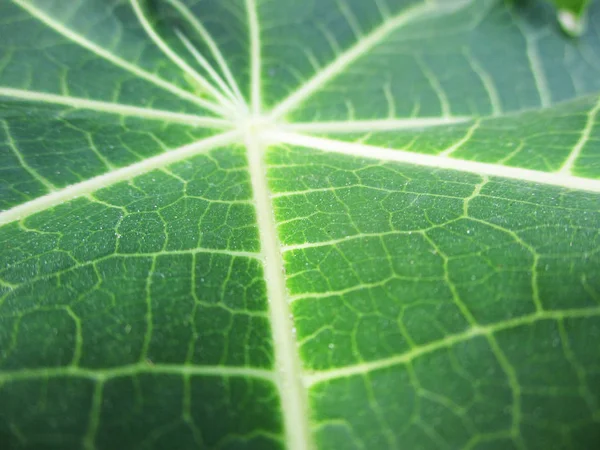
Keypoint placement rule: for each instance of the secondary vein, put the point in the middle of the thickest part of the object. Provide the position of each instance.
(99, 51)
(359, 49)
(223, 102)
(435, 161)
(114, 108)
(126, 173)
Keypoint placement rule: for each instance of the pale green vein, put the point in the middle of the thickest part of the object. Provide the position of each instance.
(537, 302)
(584, 390)
(456, 146)
(446, 342)
(515, 388)
(480, 440)
(223, 102)
(486, 80)
(358, 287)
(191, 251)
(435, 161)
(186, 414)
(460, 304)
(362, 47)
(199, 28)
(148, 317)
(537, 68)
(349, 238)
(357, 126)
(101, 181)
(390, 100)
(436, 86)
(211, 72)
(586, 133)
(94, 417)
(83, 42)
(78, 335)
(99, 155)
(30, 170)
(133, 370)
(255, 61)
(350, 18)
(383, 8)
(114, 108)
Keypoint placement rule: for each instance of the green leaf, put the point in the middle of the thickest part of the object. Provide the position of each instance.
(577, 7)
(340, 224)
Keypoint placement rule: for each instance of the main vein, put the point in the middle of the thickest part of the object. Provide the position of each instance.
(435, 161)
(288, 367)
(292, 393)
(126, 173)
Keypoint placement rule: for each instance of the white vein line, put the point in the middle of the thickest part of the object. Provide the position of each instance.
(204, 34)
(205, 64)
(110, 178)
(131, 370)
(160, 43)
(30, 170)
(357, 126)
(115, 108)
(353, 53)
(255, 61)
(288, 367)
(58, 27)
(468, 135)
(567, 167)
(435, 161)
(447, 342)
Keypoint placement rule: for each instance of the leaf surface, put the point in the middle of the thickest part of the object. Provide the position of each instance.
(307, 225)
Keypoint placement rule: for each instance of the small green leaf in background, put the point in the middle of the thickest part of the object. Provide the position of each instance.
(572, 15)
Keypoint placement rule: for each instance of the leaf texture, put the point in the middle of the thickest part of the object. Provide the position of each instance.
(260, 224)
